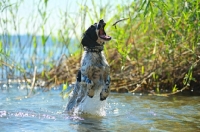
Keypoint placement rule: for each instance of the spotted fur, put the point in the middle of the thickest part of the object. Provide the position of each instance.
(94, 71)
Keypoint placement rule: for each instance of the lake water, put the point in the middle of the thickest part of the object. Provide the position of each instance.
(45, 112)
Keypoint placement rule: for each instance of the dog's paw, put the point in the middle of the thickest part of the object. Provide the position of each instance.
(90, 89)
(90, 92)
(104, 93)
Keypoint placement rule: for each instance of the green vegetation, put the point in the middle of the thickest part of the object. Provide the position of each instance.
(155, 50)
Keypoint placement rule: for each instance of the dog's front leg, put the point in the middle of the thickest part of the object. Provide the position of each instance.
(106, 89)
(89, 85)
(85, 79)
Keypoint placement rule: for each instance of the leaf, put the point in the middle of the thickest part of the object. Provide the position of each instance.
(154, 76)
(1, 46)
(34, 42)
(146, 9)
(64, 87)
(142, 70)
(142, 5)
(43, 73)
(45, 2)
(154, 49)
(157, 90)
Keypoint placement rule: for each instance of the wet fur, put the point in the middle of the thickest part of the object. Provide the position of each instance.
(94, 71)
(95, 66)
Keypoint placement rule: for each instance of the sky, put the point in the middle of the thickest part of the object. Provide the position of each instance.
(26, 18)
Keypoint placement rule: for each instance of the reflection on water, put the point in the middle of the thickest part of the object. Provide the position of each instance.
(124, 112)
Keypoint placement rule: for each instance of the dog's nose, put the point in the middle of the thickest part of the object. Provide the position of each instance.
(101, 21)
(101, 24)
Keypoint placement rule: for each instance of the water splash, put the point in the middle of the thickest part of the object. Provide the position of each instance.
(92, 106)
(3, 113)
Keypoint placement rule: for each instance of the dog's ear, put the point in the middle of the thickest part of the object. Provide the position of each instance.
(91, 32)
(90, 36)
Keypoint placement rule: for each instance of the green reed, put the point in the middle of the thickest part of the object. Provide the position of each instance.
(159, 36)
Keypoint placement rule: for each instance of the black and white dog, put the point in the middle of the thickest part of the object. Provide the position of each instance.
(94, 71)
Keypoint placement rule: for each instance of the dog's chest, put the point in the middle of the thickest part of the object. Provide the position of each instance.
(94, 62)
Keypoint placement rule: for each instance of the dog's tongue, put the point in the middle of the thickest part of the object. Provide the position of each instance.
(104, 36)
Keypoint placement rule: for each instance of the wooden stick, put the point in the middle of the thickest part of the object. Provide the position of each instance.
(119, 21)
(33, 82)
(167, 94)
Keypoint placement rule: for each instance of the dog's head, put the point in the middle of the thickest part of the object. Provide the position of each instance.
(95, 35)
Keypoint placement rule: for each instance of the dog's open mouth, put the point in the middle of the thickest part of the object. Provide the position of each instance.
(102, 33)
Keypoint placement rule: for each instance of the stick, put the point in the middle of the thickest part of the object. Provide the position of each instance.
(119, 21)
(33, 83)
(167, 94)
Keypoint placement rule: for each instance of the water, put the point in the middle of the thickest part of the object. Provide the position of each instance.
(25, 55)
(92, 105)
(44, 112)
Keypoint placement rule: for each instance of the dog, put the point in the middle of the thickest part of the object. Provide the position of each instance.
(94, 73)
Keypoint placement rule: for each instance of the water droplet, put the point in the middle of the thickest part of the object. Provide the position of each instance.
(116, 111)
(5, 86)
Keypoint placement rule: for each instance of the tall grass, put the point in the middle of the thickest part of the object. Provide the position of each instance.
(157, 46)
(161, 37)
(35, 48)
